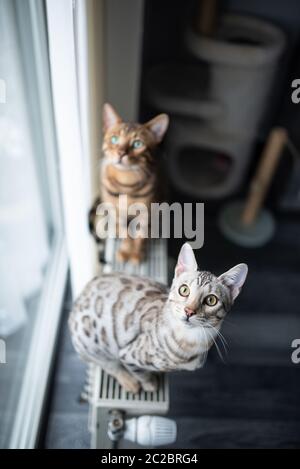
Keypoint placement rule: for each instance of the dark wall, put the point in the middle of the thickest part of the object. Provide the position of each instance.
(284, 13)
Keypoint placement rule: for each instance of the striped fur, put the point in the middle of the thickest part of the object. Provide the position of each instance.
(129, 167)
(134, 327)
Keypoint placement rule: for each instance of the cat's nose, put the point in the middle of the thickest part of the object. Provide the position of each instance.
(123, 157)
(189, 312)
(125, 160)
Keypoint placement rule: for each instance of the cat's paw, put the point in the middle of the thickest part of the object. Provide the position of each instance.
(136, 257)
(129, 383)
(151, 384)
(122, 255)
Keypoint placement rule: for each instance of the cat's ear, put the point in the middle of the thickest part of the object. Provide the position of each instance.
(110, 117)
(234, 279)
(158, 126)
(186, 260)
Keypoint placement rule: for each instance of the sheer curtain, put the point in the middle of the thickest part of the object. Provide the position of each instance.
(24, 246)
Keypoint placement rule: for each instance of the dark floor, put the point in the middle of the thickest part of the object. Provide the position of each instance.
(251, 400)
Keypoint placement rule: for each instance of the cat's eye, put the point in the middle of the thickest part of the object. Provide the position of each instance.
(114, 139)
(137, 144)
(184, 290)
(211, 300)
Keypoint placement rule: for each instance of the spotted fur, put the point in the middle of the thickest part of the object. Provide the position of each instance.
(135, 327)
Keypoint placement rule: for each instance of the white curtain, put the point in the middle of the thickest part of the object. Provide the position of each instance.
(23, 232)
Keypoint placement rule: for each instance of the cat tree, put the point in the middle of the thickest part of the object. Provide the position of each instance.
(248, 223)
(218, 104)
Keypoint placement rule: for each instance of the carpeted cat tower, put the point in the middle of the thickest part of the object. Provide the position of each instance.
(216, 103)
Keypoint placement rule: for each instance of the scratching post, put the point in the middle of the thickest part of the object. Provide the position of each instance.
(206, 17)
(248, 224)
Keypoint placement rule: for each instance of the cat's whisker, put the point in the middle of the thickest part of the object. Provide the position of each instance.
(207, 342)
(224, 347)
(219, 333)
(221, 337)
(206, 351)
(217, 347)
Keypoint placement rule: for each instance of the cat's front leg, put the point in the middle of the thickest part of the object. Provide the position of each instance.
(125, 251)
(148, 380)
(136, 359)
(116, 369)
(132, 250)
(138, 250)
(138, 239)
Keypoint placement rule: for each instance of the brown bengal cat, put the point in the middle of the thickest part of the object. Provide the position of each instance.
(130, 167)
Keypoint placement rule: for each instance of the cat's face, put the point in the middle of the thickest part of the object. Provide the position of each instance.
(129, 145)
(201, 298)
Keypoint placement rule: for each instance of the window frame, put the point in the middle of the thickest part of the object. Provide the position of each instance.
(26, 426)
(68, 91)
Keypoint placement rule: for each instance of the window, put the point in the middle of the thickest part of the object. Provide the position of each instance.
(32, 249)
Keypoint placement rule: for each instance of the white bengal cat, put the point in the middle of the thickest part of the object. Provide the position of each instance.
(134, 327)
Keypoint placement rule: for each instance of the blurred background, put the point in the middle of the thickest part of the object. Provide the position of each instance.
(223, 70)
